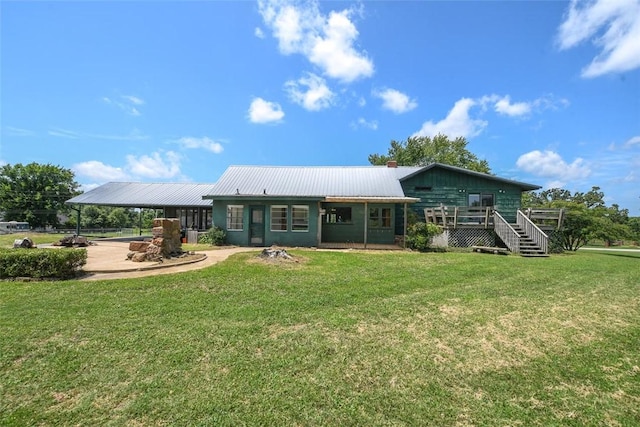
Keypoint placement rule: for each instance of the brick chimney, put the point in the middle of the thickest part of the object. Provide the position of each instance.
(392, 164)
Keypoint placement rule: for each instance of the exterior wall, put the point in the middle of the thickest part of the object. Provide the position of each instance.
(289, 237)
(337, 231)
(353, 230)
(440, 186)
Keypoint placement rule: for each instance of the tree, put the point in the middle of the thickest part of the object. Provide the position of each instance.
(423, 150)
(35, 192)
(586, 216)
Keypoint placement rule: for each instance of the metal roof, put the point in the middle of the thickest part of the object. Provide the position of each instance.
(137, 194)
(308, 181)
(408, 173)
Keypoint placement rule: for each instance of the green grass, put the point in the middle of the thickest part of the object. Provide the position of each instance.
(379, 338)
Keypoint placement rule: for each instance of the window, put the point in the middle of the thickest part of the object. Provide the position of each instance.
(339, 215)
(379, 217)
(234, 217)
(278, 218)
(300, 218)
(478, 200)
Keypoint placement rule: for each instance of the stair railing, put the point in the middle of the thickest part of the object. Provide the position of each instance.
(505, 231)
(538, 236)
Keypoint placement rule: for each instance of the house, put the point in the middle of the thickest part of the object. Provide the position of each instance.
(333, 206)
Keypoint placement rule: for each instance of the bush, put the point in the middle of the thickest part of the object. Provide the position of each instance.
(419, 235)
(215, 236)
(41, 263)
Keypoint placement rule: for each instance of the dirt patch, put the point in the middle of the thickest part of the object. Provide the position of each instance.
(278, 257)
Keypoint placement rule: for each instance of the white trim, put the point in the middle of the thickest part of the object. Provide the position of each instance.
(303, 207)
(286, 218)
(241, 207)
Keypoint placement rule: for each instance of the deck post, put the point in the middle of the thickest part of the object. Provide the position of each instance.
(486, 217)
(455, 217)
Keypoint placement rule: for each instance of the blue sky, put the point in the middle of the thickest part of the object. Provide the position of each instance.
(154, 91)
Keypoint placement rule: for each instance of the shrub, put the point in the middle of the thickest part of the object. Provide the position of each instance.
(41, 263)
(215, 236)
(419, 235)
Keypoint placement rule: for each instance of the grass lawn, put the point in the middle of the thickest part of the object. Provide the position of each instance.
(377, 338)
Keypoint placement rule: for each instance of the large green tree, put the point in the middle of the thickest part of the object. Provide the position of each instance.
(35, 192)
(423, 150)
(586, 216)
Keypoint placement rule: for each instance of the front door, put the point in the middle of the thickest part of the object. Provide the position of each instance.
(256, 228)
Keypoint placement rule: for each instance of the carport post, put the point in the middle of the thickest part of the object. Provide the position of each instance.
(78, 220)
(140, 222)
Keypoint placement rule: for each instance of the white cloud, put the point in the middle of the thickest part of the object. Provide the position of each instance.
(326, 41)
(204, 142)
(395, 101)
(505, 107)
(134, 135)
(64, 133)
(97, 170)
(155, 166)
(549, 164)
(362, 123)
(633, 141)
(125, 103)
(502, 104)
(317, 95)
(262, 111)
(612, 26)
(457, 123)
(258, 33)
(12, 131)
(133, 99)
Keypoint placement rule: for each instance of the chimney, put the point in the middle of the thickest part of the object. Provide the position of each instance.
(392, 164)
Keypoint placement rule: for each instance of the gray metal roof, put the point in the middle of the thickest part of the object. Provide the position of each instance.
(137, 194)
(308, 181)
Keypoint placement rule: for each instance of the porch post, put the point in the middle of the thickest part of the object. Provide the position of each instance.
(404, 237)
(366, 225)
(319, 232)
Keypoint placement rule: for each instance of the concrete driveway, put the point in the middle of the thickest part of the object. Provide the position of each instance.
(108, 260)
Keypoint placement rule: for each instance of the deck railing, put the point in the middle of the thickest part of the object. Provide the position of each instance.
(539, 237)
(456, 216)
(505, 231)
(546, 218)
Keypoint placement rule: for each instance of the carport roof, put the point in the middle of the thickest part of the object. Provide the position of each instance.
(145, 195)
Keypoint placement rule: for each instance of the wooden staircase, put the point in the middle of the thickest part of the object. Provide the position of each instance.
(523, 237)
(527, 246)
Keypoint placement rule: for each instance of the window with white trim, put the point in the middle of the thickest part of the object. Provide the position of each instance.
(300, 218)
(235, 215)
(278, 218)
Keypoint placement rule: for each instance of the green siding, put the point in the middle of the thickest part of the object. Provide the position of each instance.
(343, 232)
(283, 238)
(451, 188)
